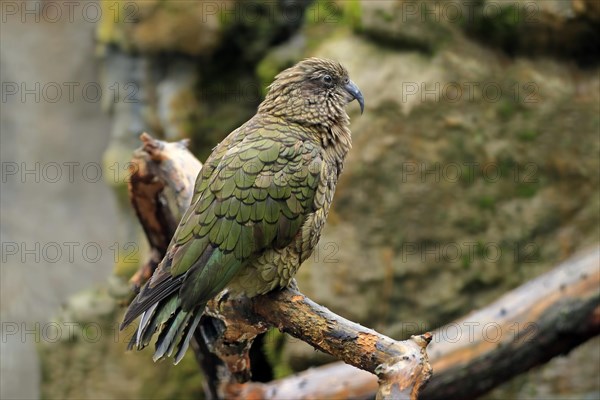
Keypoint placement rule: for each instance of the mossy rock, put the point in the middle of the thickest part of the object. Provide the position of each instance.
(95, 364)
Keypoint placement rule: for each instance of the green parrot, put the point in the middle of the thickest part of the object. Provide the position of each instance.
(259, 205)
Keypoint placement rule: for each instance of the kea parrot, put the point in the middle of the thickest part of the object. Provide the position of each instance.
(258, 208)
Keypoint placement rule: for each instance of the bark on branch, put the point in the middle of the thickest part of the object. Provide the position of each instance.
(401, 366)
(528, 326)
(159, 170)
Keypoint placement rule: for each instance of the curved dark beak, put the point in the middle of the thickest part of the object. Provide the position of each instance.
(355, 92)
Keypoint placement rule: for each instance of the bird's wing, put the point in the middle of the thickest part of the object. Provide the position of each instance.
(256, 197)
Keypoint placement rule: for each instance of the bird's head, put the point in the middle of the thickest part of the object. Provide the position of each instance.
(313, 92)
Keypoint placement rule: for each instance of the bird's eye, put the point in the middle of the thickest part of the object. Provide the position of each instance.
(327, 79)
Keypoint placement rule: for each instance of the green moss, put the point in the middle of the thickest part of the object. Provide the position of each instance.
(324, 12)
(481, 251)
(486, 202)
(353, 14)
(225, 101)
(324, 19)
(526, 252)
(175, 382)
(500, 25)
(508, 17)
(527, 135)
(385, 15)
(96, 364)
(466, 261)
(507, 109)
(330, 12)
(467, 175)
(122, 192)
(270, 66)
(472, 225)
(273, 347)
(124, 269)
(527, 189)
(107, 28)
(507, 166)
(266, 71)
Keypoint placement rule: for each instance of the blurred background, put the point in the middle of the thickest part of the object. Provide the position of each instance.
(475, 167)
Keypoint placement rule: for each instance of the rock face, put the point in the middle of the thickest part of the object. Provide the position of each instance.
(474, 167)
(186, 69)
(564, 29)
(55, 206)
(153, 27)
(469, 174)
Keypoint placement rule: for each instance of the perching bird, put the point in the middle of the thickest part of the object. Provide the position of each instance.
(258, 208)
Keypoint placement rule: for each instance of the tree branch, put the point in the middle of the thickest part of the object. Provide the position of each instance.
(158, 169)
(163, 173)
(528, 326)
(401, 366)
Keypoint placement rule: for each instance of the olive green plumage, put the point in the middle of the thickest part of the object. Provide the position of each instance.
(258, 208)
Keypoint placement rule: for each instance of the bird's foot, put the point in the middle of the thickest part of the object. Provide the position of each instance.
(293, 284)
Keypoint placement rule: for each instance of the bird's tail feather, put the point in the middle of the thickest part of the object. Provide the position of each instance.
(175, 328)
